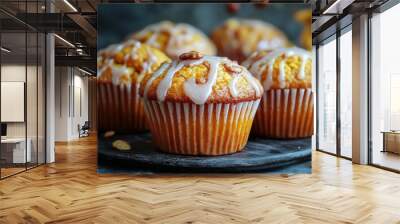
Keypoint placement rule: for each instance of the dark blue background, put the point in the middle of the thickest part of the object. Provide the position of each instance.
(116, 21)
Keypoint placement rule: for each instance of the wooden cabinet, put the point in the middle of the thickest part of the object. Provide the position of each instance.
(391, 141)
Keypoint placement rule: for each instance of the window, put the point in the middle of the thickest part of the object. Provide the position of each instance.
(327, 96)
(346, 93)
(385, 89)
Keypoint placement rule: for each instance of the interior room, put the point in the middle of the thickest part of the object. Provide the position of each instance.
(22, 102)
(49, 125)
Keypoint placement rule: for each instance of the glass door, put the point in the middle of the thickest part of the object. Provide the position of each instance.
(327, 96)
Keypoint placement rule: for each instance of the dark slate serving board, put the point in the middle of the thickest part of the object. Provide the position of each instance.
(259, 155)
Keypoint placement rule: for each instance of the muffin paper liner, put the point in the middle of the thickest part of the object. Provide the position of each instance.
(285, 113)
(209, 129)
(120, 108)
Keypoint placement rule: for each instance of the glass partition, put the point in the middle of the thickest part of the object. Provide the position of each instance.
(41, 96)
(327, 96)
(22, 77)
(15, 150)
(32, 97)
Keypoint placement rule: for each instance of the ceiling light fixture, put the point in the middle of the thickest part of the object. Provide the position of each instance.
(70, 5)
(84, 71)
(326, 11)
(5, 50)
(64, 40)
(337, 7)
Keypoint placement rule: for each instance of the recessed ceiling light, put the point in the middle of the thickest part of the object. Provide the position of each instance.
(5, 50)
(70, 5)
(84, 71)
(337, 7)
(64, 40)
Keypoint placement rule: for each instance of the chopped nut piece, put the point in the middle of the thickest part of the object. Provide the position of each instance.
(109, 134)
(121, 145)
(233, 68)
(191, 55)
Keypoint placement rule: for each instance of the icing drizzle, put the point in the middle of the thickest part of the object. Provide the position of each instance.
(199, 93)
(268, 60)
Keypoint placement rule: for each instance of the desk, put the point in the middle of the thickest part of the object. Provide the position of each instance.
(18, 150)
(391, 141)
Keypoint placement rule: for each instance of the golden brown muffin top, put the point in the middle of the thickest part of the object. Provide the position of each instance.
(106, 53)
(128, 62)
(201, 79)
(283, 68)
(175, 38)
(246, 36)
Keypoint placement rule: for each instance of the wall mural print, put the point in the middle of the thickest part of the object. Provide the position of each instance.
(204, 88)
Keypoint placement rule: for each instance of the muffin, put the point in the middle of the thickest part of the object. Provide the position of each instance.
(286, 108)
(175, 38)
(238, 38)
(120, 70)
(105, 53)
(200, 105)
(304, 17)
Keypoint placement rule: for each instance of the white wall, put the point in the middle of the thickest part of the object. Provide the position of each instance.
(14, 73)
(62, 82)
(33, 127)
(71, 93)
(17, 73)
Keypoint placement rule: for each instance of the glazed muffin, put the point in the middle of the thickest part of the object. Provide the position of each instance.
(238, 38)
(304, 17)
(120, 71)
(286, 108)
(175, 38)
(200, 105)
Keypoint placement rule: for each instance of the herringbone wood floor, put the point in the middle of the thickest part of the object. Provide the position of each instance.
(70, 191)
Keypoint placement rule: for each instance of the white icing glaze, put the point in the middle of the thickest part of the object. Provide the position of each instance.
(107, 64)
(270, 44)
(147, 65)
(136, 46)
(164, 85)
(253, 82)
(119, 71)
(232, 86)
(199, 93)
(259, 66)
(156, 74)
